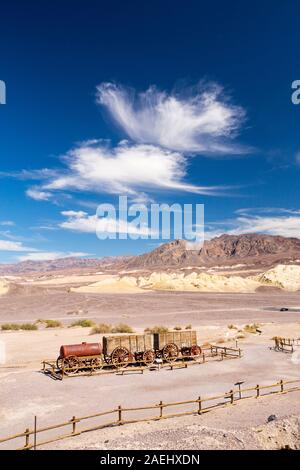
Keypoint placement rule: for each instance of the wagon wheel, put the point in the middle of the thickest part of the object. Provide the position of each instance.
(170, 352)
(107, 360)
(148, 357)
(71, 362)
(96, 363)
(196, 350)
(120, 357)
(59, 362)
(186, 352)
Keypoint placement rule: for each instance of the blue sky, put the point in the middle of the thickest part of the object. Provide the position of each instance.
(171, 101)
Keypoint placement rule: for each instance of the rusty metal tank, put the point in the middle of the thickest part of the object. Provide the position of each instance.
(80, 350)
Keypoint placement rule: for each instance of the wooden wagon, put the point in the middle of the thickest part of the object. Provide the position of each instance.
(172, 344)
(119, 350)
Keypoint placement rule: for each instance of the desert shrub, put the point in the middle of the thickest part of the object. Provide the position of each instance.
(240, 336)
(251, 328)
(188, 327)
(122, 328)
(232, 327)
(49, 323)
(53, 323)
(83, 323)
(28, 326)
(157, 329)
(10, 326)
(177, 328)
(102, 328)
(16, 326)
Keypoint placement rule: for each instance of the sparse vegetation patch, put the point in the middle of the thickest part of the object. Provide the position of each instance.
(83, 323)
(157, 329)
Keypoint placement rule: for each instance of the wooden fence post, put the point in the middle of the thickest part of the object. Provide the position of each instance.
(161, 409)
(120, 415)
(73, 421)
(281, 385)
(26, 438)
(200, 406)
(34, 436)
(257, 391)
(203, 357)
(231, 396)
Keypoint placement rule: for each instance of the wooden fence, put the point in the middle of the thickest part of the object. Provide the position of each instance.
(286, 344)
(119, 415)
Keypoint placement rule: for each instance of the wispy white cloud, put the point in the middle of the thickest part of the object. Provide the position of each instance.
(7, 223)
(8, 245)
(37, 174)
(82, 222)
(165, 130)
(200, 120)
(125, 168)
(271, 221)
(267, 210)
(38, 195)
(50, 255)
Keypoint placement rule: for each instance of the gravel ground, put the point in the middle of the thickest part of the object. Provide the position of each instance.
(150, 308)
(26, 392)
(243, 426)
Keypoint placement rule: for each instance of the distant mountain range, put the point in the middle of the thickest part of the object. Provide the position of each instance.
(261, 250)
(225, 250)
(60, 264)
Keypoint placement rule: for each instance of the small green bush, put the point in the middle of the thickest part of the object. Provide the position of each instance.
(251, 328)
(188, 327)
(157, 329)
(177, 328)
(10, 326)
(53, 323)
(29, 326)
(16, 326)
(83, 323)
(122, 328)
(102, 328)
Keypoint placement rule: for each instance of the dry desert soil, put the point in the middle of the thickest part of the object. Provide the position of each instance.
(26, 392)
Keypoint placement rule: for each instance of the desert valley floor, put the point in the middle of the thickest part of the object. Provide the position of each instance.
(26, 392)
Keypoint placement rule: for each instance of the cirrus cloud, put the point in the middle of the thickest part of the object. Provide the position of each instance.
(269, 221)
(80, 221)
(126, 168)
(38, 195)
(202, 121)
(9, 245)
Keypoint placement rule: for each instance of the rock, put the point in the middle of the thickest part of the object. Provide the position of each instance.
(272, 418)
